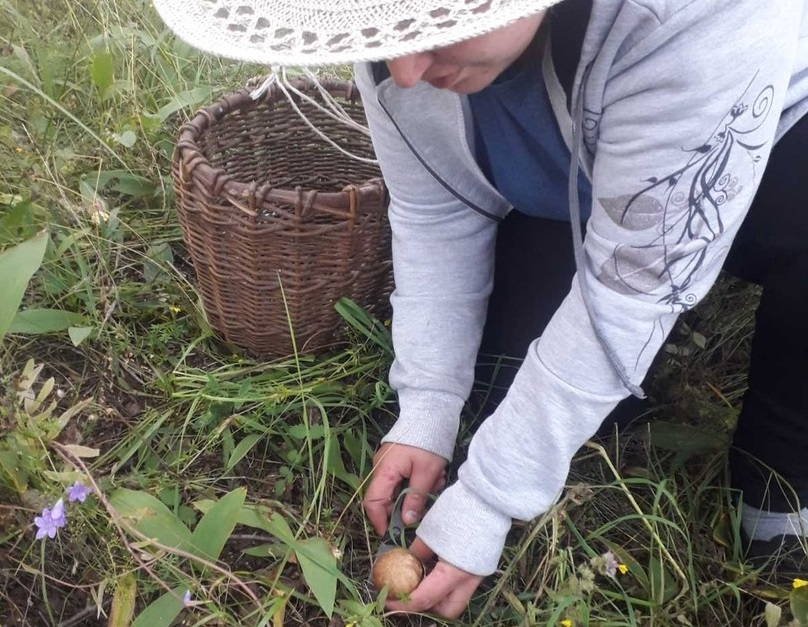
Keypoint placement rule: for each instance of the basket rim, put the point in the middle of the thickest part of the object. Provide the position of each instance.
(193, 163)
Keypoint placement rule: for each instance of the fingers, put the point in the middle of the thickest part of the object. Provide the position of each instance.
(422, 481)
(378, 500)
(421, 550)
(392, 464)
(445, 591)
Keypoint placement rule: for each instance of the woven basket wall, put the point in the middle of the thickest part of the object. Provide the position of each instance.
(278, 222)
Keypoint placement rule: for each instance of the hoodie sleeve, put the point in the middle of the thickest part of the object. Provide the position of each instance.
(679, 126)
(443, 270)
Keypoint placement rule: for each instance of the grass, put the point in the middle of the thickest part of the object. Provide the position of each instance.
(240, 480)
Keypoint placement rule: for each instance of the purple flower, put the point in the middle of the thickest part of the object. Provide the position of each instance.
(50, 521)
(186, 600)
(78, 492)
(610, 564)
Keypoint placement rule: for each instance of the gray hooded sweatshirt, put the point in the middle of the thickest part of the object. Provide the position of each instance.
(677, 104)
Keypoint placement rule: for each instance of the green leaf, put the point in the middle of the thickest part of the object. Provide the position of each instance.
(151, 518)
(271, 522)
(772, 614)
(685, 439)
(335, 465)
(123, 182)
(191, 98)
(157, 257)
(102, 70)
(126, 139)
(123, 601)
(163, 611)
(319, 566)
(257, 517)
(17, 265)
(79, 334)
(663, 583)
(798, 600)
(17, 219)
(215, 528)
(370, 327)
(241, 449)
(16, 468)
(41, 321)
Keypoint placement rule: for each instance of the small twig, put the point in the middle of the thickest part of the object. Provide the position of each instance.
(720, 395)
(39, 573)
(121, 525)
(78, 618)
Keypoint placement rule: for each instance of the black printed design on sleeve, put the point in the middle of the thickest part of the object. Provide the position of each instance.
(680, 214)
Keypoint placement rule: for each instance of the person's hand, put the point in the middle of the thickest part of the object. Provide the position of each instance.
(391, 465)
(445, 591)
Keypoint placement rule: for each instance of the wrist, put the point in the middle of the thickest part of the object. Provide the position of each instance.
(427, 420)
(464, 531)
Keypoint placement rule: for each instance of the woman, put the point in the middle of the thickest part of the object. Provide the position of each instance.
(652, 121)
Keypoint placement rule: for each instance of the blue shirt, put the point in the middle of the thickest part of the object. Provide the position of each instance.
(519, 145)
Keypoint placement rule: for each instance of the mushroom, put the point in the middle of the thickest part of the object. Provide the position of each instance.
(399, 570)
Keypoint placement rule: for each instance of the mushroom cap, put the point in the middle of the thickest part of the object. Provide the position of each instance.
(399, 570)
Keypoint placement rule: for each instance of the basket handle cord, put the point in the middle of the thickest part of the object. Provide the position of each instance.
(278, 79)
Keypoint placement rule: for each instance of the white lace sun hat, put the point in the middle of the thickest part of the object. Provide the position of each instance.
(324, 32)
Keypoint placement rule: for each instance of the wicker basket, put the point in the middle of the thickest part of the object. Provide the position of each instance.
(279, 223)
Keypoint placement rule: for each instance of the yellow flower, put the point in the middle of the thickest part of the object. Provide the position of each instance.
(174, 309)
(566, 623)
(799, 583)
(622, 568)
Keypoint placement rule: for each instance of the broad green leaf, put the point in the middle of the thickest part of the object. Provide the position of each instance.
(274, 524)
(685, 439)
(306, 432)
(361, 613)
(157, 257)
(123, 182)
(102, 72)
(798, 600)
(40, 321)
(319, 566)
(123, 601)
(15, 468)
(241, 449)
(664, 585)
(17, 266)
(261, 518)
(191, 98)
(126, 139)
(79, 334)
(163, 611)
(17, 219)
(215, 528)
(335, 465)
(151, 518)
